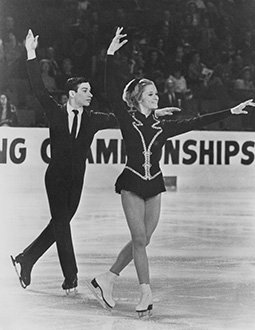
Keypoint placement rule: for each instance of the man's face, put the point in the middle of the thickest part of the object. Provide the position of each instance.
(83, 96)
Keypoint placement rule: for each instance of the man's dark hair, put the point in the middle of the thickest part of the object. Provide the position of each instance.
(73, 84)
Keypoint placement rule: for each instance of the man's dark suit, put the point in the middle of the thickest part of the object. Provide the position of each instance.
(65, 173)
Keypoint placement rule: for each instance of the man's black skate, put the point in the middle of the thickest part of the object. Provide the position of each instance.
(70, 286)
(24, 274)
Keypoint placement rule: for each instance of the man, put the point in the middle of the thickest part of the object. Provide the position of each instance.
(170, 98)
(72, 128)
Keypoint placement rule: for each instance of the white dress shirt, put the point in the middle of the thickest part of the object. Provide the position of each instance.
(70, 109)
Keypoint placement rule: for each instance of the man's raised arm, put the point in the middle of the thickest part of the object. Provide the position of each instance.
(47, 101)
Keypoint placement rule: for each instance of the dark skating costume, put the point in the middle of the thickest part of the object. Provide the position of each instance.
(144, 138)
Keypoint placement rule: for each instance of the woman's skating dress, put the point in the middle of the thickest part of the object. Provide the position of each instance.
(144, 138)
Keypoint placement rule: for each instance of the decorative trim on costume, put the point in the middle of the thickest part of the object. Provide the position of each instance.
(144, 177)
(146, 151)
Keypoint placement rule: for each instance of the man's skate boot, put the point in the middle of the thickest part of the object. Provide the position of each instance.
(144, 308)
(70, 286)
(24, 273)
(102, 288)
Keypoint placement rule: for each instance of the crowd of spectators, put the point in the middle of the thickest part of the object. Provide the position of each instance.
(200, 53)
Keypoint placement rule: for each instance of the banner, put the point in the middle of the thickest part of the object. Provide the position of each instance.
(198, 158)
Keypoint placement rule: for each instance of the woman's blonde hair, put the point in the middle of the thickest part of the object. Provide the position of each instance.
(133, 91)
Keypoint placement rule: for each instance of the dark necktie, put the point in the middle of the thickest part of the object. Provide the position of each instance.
(75, 123)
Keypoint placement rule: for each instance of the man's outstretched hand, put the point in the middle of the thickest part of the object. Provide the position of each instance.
(31, 42)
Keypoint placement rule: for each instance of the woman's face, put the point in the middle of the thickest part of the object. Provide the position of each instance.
(149, 98)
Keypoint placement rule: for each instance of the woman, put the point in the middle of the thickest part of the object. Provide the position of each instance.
(141, 182)
(8, 116)
(47, 77)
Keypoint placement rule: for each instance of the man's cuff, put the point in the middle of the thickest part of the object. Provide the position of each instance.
(31, 55)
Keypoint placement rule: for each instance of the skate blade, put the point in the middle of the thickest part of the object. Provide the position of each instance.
(71, 292)
(23, 285)
(145, 314)
(98, 295)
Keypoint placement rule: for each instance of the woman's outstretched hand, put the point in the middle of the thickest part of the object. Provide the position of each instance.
(239, 109)
(166, 111)
(116, 43)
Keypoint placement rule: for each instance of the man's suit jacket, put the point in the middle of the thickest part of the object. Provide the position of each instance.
(68, 158)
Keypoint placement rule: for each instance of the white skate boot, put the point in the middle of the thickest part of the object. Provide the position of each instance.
(144, 308)
(102, 288)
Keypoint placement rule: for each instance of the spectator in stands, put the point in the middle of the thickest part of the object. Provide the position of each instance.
(207, 38)
(159, 80)
(244, 87)
(139, 73)
(194, 12)
(247, 43)
(170, 98)
(200, 4)
(94, 17)
(195, 74)
(83, 5)
(161, 47)
(168, 40)
(47, 75)
(124, 69)
(63, 99)
(186, 21)
(121, 17)
(244, 84)
(217, 88)
(225, 66)
(212, 12)
(13, 51)
(9, 27)
(167, 22)
(188, 36)
(153, 63)
(51, 56)
(180, 83)
(94, 44)
(227, 45)
(178, 56)
(136, 61)
(8, 114)
(237, 65)
(98, 77)
(66, 72)
(167, 19)
(2, 65)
